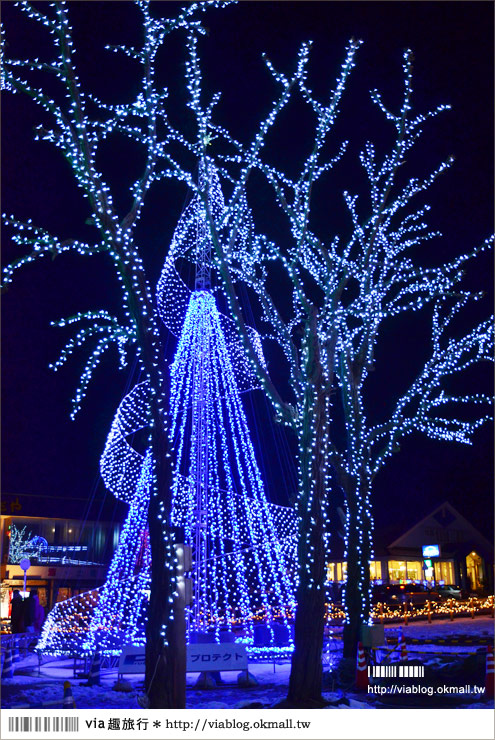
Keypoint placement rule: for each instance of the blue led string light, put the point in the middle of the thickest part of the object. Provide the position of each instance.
(244, 553)
(237, 511)
(377, 260)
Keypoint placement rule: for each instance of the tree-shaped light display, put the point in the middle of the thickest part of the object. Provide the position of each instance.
(239, 570)
(242, 545)
(218, 493)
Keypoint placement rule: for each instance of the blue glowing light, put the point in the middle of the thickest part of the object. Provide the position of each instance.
(240, 572)
(243, 545)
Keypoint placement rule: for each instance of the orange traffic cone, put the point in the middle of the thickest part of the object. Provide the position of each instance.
(489, 672)
(361, 670)
(402, 647)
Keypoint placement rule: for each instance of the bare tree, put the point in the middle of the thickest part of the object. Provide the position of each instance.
(79, 124)
(345, 291)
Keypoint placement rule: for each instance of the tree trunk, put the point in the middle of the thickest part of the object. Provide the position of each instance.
(306, 669)
(165, 671)
(359, 537)
(165, 680)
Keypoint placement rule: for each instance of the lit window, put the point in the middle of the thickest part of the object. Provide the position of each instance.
(444, 571)
(330, 571)
(338, 571)
(375, 570)
(397, 571)
(414, 570)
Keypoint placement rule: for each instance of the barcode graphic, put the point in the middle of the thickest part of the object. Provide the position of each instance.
(396, 671)
(43, 724)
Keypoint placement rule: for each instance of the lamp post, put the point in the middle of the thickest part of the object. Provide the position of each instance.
(25, 564)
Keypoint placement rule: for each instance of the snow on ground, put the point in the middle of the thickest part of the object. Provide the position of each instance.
(443, 628)
(272, 688)
(439, 628)
(482, 627)
(29, 687)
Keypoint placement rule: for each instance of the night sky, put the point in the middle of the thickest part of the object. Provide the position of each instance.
(55, 461)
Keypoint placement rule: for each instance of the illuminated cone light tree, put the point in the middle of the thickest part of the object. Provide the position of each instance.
(218, 493)
(242, 545)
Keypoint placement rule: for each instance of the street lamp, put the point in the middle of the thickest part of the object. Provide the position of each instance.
(25, 565)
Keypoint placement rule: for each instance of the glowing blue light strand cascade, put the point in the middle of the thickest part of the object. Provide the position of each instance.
(243, 571)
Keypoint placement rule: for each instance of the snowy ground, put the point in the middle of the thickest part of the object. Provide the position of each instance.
(455, 665)
(480, 626)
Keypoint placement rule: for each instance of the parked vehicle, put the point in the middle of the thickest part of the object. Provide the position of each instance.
(387, 594)
(419, 595)
(410, 593)
(451, 592)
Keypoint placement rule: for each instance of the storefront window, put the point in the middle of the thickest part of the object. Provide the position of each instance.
(444, 571)
(414, 570)
(336, 571)
(375, 570)
(400, 571)
(406, 570)
(430, 574)
(397, 570)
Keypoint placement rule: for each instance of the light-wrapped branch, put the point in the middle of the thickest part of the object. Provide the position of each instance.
(103, 325)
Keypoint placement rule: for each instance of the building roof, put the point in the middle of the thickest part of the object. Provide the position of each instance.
(444, 526)
(63, 505)
(454, 533)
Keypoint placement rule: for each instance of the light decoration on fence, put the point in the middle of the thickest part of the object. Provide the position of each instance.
(451, 608)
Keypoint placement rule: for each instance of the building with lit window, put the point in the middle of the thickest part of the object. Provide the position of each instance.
(442, 548)
(67, 556)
